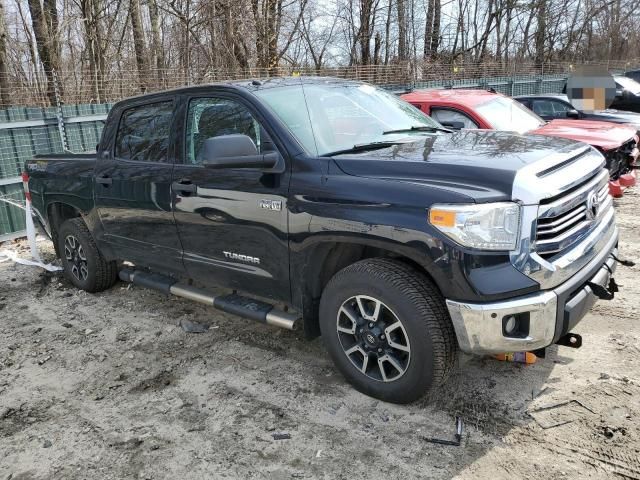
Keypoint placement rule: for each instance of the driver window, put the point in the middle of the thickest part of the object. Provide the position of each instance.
(447, 115)
(212, 117)
(550, 109)
(560, 109)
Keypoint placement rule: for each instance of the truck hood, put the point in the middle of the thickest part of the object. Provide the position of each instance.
(476, 163)
(604, 135)
(610, 114)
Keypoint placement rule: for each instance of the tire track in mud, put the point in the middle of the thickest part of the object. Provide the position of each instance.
(623, 464)
(583, 440)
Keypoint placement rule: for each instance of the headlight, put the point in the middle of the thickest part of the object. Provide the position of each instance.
(489, 226)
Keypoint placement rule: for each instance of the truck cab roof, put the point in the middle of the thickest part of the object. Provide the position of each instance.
(249, 85)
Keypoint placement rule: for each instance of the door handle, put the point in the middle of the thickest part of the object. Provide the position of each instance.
(104, 180)
(184, 186)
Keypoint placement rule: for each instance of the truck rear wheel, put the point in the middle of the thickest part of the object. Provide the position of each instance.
(387, 330)
(84, 265)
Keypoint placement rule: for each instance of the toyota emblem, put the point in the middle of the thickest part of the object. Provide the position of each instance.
(593, 205)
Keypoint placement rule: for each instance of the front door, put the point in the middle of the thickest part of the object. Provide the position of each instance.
(232, 222)
(133, 187)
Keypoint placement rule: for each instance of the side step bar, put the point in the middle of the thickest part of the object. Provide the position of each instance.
(232, 303)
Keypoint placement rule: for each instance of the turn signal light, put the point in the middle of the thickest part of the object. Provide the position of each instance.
(442, 218)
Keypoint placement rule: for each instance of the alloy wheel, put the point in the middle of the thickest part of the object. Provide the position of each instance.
(74, 254)
(373, 338)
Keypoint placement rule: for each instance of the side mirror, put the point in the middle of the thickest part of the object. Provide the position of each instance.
(453, 124)
(573, 113)
(235, 151)
(619, 93)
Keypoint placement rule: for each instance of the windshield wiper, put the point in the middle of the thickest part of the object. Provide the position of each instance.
(363, 147)
(419, 128)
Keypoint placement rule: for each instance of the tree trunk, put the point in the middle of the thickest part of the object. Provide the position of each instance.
(377, 44)
(156, 41)
(272, 36)
(42, 20)
(5, 97)
(365, 31)
(387, 34)
(540, 32)
(435, 33)
(93, 46)
(138, 43)
(402, 30)
(428, 29)
(487, 31)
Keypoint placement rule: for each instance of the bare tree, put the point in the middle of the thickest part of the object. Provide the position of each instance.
(44, 20)
(541, 13)
(157, 51)
(5, 85)
(139, 43)
(90, 10)
(103, 50)
(403, 47)
(317, 41)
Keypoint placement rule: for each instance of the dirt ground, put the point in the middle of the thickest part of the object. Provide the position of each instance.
(109, 386)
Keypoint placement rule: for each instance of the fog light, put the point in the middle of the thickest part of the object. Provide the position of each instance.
(516, 325)
(510, 325)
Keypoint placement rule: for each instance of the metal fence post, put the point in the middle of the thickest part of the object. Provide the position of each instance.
(59, 115)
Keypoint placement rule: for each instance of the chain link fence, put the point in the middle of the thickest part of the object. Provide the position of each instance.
(80, 86)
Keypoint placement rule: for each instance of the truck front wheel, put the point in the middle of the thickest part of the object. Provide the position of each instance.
(387, 330)
(84, 265)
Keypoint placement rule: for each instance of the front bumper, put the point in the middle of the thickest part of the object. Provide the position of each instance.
(549, 314)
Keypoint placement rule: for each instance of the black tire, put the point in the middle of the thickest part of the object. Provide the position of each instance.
(93, 273)
(406, 295)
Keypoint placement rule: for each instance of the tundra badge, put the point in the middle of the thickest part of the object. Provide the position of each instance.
(242, 258)
(275, 205)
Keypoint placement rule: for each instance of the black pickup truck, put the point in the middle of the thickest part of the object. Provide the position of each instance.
(335, 205)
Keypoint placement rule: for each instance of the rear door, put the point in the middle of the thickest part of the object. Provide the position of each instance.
(133, 185)
(232, 222)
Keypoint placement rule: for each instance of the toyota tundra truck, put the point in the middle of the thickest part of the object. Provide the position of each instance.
(335, 206)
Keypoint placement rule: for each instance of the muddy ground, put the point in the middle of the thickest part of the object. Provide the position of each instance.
(109, 386)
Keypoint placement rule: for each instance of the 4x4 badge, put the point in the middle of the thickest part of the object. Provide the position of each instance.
(275, 205)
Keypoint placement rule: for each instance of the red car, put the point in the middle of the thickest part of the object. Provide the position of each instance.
(489, 110)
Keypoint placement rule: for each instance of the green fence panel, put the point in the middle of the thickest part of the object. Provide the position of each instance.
(11, 217)
(83, 137)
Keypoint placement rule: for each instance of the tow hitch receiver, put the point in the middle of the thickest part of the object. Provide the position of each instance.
(572, 340)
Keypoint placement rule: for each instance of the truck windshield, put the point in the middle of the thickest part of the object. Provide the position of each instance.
(507, 114)
(330, 118)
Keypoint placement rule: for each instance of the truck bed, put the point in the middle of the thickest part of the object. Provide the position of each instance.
(66, 178)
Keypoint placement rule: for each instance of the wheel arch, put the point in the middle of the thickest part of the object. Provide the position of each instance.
(57, 214)
(319, 262)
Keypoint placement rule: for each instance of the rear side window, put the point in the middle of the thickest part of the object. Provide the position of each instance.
(143, 133)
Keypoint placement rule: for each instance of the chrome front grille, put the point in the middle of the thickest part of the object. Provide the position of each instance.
(566, 220)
